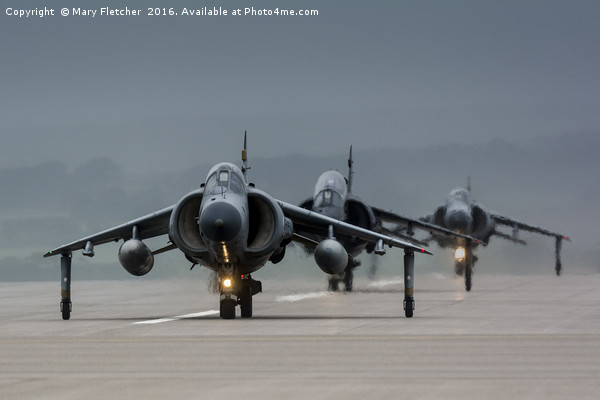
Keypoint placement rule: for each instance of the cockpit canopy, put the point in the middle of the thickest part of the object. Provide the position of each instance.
(332, 181)
(330, 191)
(460, 195)
(223, 178)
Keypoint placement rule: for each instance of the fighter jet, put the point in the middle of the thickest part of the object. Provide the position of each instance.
(462, 214)
(333, 198)
(232, 228)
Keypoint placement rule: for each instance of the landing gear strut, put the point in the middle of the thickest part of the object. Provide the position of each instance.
(65, 286)
(237, 291)
(409, 270)
(558, 245)
(469, 261)
(468, 277)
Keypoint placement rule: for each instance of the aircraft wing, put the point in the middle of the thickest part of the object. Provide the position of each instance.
(309, 221)
(408, 224)
(516, 225)
(150, 225)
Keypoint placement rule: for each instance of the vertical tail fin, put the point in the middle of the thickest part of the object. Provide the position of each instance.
(350, 171)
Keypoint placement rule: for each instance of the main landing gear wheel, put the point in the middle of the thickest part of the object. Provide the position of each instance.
(348, 279)
(65, 309)
(227, 309)
(333, 284)
(246, 302)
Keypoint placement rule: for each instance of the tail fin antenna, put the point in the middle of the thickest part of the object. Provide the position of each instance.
(245, 166)
(350, 171)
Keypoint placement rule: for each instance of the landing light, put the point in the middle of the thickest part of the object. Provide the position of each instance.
(227, 283)
(225, 252)
(459, 254)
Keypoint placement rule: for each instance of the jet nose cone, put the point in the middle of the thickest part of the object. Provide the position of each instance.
(458, 220)
(220, 221)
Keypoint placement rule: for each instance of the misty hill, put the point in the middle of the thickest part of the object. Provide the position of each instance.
(552, 183)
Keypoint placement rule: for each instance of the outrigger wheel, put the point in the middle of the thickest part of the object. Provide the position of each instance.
(409, 307)
(65, 309)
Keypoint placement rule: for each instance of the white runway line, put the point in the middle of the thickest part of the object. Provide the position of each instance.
(161, 320)
(303, 296)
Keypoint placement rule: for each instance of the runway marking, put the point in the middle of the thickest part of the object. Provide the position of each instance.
(381, 284)
(303, 296)
(161, 320)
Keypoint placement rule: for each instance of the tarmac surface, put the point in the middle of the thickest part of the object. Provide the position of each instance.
(534, 337)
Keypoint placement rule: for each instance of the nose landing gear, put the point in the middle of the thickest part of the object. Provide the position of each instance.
(464, 266)
(238, 290)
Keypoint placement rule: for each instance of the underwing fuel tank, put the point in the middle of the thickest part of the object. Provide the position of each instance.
(331, 256)
(136, 257)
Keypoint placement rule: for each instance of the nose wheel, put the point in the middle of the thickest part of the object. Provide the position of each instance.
(227, 308)
(465, 267)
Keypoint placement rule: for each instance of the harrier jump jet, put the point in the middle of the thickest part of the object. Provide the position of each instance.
(461, 213)
(232, 228)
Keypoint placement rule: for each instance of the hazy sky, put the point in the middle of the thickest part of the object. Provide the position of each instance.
(162, 93)
(104, 119)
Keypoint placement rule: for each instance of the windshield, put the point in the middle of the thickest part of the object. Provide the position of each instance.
(328, 198)
(236, 184)
(223, 181)
(218, 182)
(331, 181)
(461, 195)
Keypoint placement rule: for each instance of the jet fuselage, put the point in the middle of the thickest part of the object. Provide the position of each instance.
(331, 198)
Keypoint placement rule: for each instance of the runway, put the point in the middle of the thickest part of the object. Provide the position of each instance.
(534, 337)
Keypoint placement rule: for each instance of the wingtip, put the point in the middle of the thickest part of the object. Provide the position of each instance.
(425, 251)
(51, 253)
(422, 250)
